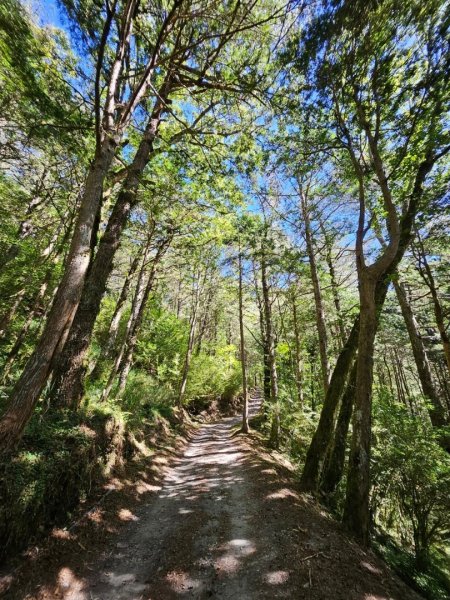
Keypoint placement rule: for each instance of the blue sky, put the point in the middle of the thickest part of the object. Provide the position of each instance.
(48, 12)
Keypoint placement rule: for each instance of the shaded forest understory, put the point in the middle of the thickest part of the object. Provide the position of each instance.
(200, 199)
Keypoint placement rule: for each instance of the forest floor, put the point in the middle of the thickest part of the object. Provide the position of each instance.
(224, 520)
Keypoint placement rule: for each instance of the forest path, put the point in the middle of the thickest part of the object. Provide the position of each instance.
(227, 523)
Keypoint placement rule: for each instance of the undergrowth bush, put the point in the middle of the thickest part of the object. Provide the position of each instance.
(433, 584)
(53, 470)
(62, 458)
(410, 496)
(411, 479)
(214, 376)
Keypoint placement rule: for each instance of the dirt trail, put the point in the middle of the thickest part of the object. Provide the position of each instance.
(228, 523)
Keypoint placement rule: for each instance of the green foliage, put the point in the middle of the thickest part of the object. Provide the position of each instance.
(47, 478)
(64, 458)
(434, 584)
(411, 477)
(298, 423)
(255, 141)
(214, 376)
(36, 98)
(145, 397)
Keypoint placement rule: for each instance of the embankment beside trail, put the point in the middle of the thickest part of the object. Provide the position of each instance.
(67, 462)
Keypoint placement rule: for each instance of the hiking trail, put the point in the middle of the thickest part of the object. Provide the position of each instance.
(226, 523)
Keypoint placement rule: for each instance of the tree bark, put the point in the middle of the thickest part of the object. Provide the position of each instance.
(9, 315)
(320, 313)
(68, 376)
(135, 307)
(27, 390)
(245, 426)
(427, 276)
(25, 226)
(131, 342)
(436, 411)
(264, 344)
(14, 351)
(317, 450)
(315, 456)
(370, 278)
(356, 510)
(271, 358)
(334, 463)
(297, 356)
(39, 297)
(191, 339)
(108, 135)
(113, 329)
(334, 285)
(204, 320)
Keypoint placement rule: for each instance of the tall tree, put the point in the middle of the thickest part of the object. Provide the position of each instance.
(180, 48)
(245, 426)
(111, 122)
(320, 313)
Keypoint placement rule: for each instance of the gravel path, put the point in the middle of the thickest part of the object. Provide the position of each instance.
(226, 523)
(196, 539)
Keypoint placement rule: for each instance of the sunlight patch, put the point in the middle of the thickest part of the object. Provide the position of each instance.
(371, 568)
(96, 515)
(181, 582)
(126, 515)
(69, 583)
(276, 577)
(280, 494)
(143, 487)
(61, 534)
(270, 471)
(239, 547)
(228, 563)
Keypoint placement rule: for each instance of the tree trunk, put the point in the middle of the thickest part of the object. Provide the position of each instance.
(25, 227)
(9, 315)
(45, 255)
(36, 306)
(124, 368)
(436, 410)
(318, 447)
(334, 463)
(27, 390)
(297, 356)
(191, 339)
(68, 377)
(356, 509)
(334, 285)
(14, 351)
(138, 298)
(113, 329)
(245, 426)
(317, 450)
(204, 321)
(427, 276)
(271, 359)
(120, 306)
(262, 327)
(320, 314)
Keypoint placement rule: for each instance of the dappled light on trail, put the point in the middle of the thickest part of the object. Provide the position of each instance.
(226, 522)
(71, 586)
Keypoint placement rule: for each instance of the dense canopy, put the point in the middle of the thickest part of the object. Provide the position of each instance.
(200, 199)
